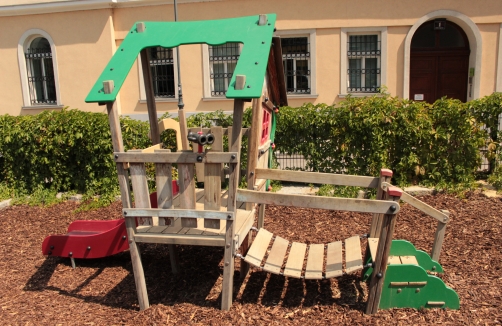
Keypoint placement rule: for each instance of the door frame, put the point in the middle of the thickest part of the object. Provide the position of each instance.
(475, 43)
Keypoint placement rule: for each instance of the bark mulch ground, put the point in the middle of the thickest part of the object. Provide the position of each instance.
(42, 291)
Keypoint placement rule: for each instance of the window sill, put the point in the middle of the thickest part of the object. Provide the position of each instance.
(293, 96)
(210, 99)
(161, 100)
(359, 95)
(42, 107)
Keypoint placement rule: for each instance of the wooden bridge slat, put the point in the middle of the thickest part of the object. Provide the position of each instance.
(294, 265)
(394, 260)
(412, 260)
(353, 259)
(373, 244)
(315, 261)
(276, 256)
(258, 248)
(334, 260)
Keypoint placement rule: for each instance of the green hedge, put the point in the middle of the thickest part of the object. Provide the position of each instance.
(71, 150)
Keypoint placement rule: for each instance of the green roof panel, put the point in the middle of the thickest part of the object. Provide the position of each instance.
(252, 62)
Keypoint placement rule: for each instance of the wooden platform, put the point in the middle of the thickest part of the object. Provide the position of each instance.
(393, 260)
(322, 261)
(200, 235)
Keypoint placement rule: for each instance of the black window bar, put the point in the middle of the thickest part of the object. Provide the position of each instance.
(162, 70)
(363, 59)
(41, 83)
(296, 61)
(222, 59)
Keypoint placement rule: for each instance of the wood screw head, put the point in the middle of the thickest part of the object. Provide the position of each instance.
(88, 247)
(124, 237)
(417, 290)
(125, 213)
(229, 216)
(70, 254)
(393, 208)
(233, 157)
(227, 263)
(116, 156)
(399, 290)
(379, 275)
(199, 158)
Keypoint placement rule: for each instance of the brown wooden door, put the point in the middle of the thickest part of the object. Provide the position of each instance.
(437, 75)
(439, 63)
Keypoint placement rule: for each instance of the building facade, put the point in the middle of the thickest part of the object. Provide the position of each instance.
(53, 51)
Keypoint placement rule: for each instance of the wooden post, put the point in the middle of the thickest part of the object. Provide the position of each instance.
(261, 216)
(164, 178)
(254, 143)
(212, 180)
(150, 96)
(228, 257)
(376, 222)
(382, 256)
(439, 238)
(137, 266)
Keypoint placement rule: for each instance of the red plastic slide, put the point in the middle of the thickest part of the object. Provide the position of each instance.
(92, 239)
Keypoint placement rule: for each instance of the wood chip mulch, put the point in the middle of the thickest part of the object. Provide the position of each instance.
(35, 290)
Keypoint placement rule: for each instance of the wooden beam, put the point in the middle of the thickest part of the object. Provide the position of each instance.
(376, 221)
(431, 211)
(382, 254)
(125, 194)
(150, 96)
(344, 204)
(316, 177)
(439, 238)
(228, 256)
(185, 157)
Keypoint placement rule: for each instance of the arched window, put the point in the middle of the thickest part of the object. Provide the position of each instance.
(40, 72)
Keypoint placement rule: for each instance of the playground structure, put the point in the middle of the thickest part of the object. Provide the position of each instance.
(397, 272)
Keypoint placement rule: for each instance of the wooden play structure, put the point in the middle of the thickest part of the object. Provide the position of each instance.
(213, 216)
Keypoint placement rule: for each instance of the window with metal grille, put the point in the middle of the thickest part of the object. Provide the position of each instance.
(296, 61)
(363, 73)
(222, 62)
(162, 69)
(40, 71)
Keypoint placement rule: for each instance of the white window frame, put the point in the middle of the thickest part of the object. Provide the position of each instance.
(206, 66)
(23, 45)
(141, 82)
(311, 38)
(344, 60)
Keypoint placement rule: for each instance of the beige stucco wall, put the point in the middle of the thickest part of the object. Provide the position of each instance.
(85, 41)
(84, 44)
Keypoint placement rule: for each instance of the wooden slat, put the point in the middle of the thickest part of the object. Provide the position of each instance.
(175, 228)
(353, 259)
(190, 213)
(334, 260)
(373, 244)
(276, 256)
(178, 157)
(140, 189)
(316, 177)
(315, 261)
(332, 203)
(199, 167)
(163, 176)
(431, 211)
(394, 260)
(180, 239)
(157, 229)
(294, 265)
(152, 148)
(412, 260)
(259, 247)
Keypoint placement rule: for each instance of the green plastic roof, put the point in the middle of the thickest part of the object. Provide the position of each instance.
(252, 62)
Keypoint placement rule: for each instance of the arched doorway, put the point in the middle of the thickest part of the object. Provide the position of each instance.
(439, 62)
